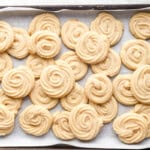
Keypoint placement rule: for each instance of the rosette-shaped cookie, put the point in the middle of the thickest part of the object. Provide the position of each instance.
(35, 120)
(140, 109)
(18, 82)
(57, 80)
(6, 36)
(45, 21)
(108, 110)
(135, 53)
(122, 90)
(6, 121)
(85, 122)
(5, 64)
(61, 127)
(78, 67)
(107, 25)
(13, 105)
(98, 88)
(37, 64)
(92, 48)
(110, 66)
(38, 97)
(45, 44)
(140, 25)
(131, 127)
(71, 32)
(140, 84)
(75, 97)
(19, 48)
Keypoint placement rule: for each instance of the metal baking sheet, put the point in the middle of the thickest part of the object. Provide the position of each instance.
(21, 17)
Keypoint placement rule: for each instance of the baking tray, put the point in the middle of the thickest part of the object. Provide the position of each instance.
(20, 17)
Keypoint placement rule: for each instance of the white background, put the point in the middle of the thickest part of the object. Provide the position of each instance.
(59, 2)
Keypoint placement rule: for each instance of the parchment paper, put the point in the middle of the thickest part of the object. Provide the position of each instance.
(21, 17)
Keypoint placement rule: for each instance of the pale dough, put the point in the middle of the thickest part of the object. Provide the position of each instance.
(57, 80)
(79, 68)
(110, 66)
(107, 25)
(131, 128)
(35, 120)
(75, 97)
(19, 48)
(61, 127)
(108, 110)
(6, 36)
(71, 32)
(98, 88)
(122, 89)
(135, 53)
(38, 97)
(85, 122)
(13, 105)
(45, 44)
(92, 48)
(37, 64)
(5, 64)
(140, 84)
(45, 21)
(18, 82)
(140, 25)
(6, 121)
(141, 108)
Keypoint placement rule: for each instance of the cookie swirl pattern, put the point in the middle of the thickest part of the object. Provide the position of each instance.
(16, 81)
(61, 127)
(57, 80)
(85, 122)
(6, 121)
(45, 21)
(35, 120)
(71, 32)
(131, 127)
(139, 25)
(92, 48)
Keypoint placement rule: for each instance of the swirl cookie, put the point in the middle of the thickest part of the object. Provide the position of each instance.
(140, 84)
(110, 66)
(108, 110)
(5, 64)
(57, 80)
(107, 25)
(13, 105)
(92, 48)
(19, 48)
(98, 88)
(6, 121)
(140, 109)
(135, 53)
(71, 32)
(79, 68)
(131, 128)
(45, 44)
(61, 127)
(45, 21)
(38, 123)
(122, 90)
(38, 97)
(74, 98)
(85, 122)
(140, 25)
(6, 36)
(37, 64)
(18, 82)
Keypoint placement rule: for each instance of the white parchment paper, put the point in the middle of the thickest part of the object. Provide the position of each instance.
(21, 17)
